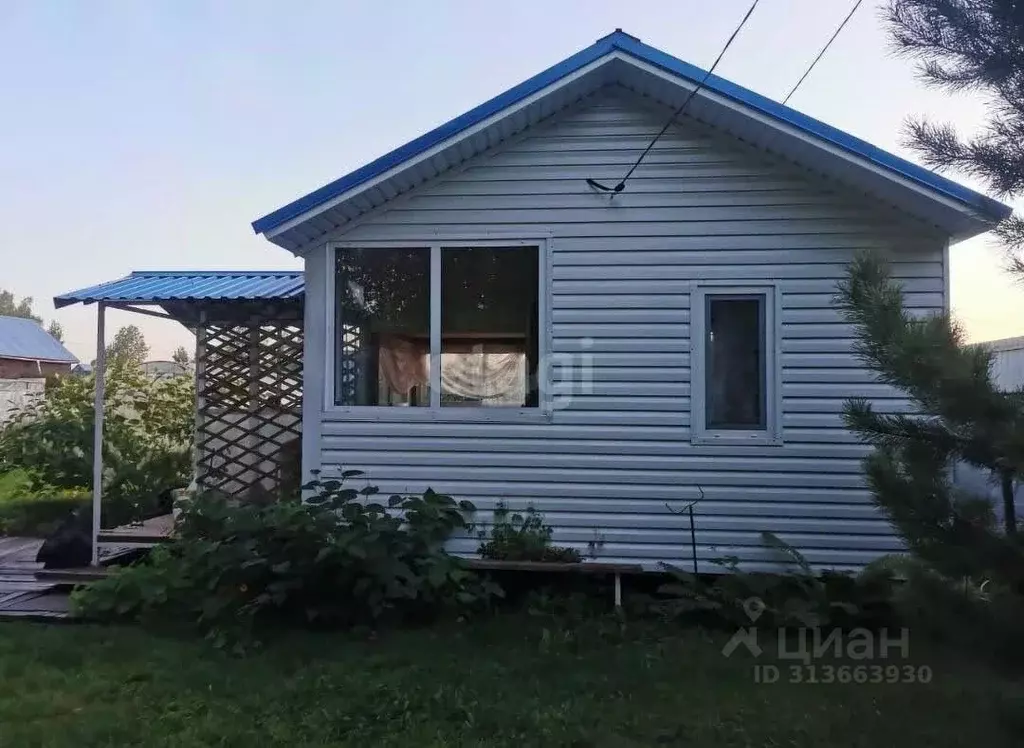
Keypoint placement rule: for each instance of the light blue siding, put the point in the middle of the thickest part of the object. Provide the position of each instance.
(618, 459)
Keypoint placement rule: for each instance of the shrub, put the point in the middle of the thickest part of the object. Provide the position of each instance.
(523, 537)
(147, 438)
(983, 618)
(340, 559)
(29, 507)
(797, 597)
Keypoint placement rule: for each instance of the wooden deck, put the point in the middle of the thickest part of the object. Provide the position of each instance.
(27, 590)
(21, 594)
(143, 534)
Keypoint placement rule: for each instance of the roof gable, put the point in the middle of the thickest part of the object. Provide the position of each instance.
(624, 60)
(25, 339)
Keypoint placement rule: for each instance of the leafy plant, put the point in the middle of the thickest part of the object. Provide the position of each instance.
(30, 507)
(147, 438)
(797, 597)
(981, 617)
(516, 536)
(341, 559)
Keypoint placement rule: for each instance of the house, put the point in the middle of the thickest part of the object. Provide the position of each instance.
(483, 311)
(159, 369)
(28, 354)
(29, 351)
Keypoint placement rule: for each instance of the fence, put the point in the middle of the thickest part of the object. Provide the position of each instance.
(16, 394)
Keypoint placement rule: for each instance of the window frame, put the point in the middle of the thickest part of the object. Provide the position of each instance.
(771, 434)
(437, 412)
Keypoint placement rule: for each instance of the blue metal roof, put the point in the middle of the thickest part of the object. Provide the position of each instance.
(187, 285)
(25, 339)
(624, 43)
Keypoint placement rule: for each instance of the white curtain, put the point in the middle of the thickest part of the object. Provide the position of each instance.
(484, 377)
(472, 373)
(404, 363)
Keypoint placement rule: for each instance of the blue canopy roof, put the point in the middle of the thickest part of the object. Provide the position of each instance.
(25, 339)
(154, 286)
(622, 43)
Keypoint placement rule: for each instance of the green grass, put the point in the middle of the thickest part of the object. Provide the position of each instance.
(512, 681)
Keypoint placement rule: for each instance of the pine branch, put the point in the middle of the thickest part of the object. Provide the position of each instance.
(926, 357)
(968, 45)
(1011, 234)
(997, 157)
(897, 431)
(963, 44)
(950, 382)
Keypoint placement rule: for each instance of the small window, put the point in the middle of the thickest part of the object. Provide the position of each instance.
(734, 370)
(479, 304)
(733, 365)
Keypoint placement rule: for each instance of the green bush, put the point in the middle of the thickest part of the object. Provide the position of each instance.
(797, 597)
(522, 537)
(38, 516)
(341, 559)
(982, 618)
(29, 507)
(147, 438)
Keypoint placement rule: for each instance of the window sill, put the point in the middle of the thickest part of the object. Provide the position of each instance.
(402, 414)
(737, 439)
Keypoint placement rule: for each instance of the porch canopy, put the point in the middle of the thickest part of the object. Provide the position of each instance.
(248, 328)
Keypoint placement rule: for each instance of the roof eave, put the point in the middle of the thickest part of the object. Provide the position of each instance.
(40, 359)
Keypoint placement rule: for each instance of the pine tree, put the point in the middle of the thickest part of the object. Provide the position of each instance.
(971, 45)
(960, 416)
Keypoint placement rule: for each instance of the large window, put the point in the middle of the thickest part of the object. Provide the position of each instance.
(471, 313)
(382, 326)
(734, 372)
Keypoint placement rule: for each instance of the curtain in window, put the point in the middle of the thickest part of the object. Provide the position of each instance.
(471, 373)
(404, 363)
(483, 374)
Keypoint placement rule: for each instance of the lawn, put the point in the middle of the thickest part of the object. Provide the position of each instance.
(512, 681)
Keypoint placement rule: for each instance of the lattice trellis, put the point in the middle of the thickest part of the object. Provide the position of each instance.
(348, 379)
(249, 407)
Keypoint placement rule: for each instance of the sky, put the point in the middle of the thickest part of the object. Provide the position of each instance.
(148, 135)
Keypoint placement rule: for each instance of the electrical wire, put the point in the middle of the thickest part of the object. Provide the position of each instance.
(823, 51)
(622, 182)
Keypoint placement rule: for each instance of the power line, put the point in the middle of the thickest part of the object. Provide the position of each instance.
(622, 183)
(823, 50)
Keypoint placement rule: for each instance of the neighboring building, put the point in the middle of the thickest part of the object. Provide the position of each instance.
(481, 318)
(166, 369)
(28, 351)
(1008, 373)
(1008, 364)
